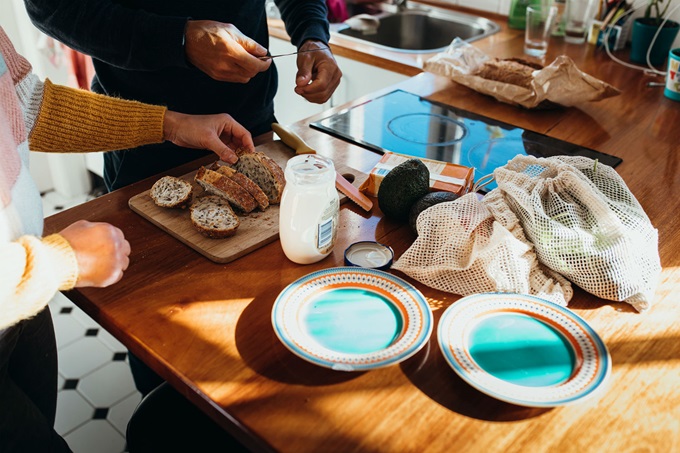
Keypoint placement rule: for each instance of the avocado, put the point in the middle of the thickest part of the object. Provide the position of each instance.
(427, 201)
(402, 187)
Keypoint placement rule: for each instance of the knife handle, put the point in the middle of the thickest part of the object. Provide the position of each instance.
(291, 139)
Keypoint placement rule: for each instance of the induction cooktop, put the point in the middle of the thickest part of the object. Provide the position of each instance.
(406, 123)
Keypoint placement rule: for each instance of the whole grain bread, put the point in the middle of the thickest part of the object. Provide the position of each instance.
(514, 71)
(251, 187)
(171, 192)
(213, 217)
(219, 184)
(265, 172)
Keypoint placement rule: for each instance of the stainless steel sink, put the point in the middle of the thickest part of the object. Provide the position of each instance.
(418, 28)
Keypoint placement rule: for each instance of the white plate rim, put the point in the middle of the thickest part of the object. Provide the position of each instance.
(418, 323)
(592, 371)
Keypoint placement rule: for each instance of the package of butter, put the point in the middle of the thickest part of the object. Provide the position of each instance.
(444, 176)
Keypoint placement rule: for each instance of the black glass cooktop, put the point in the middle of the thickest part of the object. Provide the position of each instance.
(405, 123)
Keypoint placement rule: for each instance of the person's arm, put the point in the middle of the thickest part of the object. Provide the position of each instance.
(72, 120)
(33, 269)
(224, 53)
(305, 20)
(31, 272)
(318, 73)
(106, 30)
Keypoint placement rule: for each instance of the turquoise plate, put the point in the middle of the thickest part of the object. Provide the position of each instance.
(352, 319)
(523, 350)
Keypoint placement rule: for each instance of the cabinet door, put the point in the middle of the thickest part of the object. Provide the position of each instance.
(359, 79)
(289, 107)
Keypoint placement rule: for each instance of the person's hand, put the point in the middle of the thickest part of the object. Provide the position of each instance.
(219, 133)
(223, 52)
(101, 251)
(318, 74)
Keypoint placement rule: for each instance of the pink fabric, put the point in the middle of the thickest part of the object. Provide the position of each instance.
(337, 11)
(12, 128)
(10, 163)
(17, 68)
(81, 70)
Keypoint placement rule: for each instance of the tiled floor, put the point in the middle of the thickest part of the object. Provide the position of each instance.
(96, 391)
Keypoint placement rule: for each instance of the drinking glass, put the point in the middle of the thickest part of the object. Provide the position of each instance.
(579, 14)
(539, 25)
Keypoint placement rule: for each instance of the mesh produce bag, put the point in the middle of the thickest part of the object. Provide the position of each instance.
(468, 246)
(585, 224)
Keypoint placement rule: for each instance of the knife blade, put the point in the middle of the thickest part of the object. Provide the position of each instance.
(290, 138)
(269, 57)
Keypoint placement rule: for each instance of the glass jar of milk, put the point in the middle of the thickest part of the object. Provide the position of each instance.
(308, 216)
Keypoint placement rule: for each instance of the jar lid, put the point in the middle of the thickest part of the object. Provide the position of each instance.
(370, 255)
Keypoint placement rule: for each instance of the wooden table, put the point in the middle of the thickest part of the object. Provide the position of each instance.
(206, 327)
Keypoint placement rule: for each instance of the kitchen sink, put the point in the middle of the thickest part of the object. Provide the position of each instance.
(415, 28)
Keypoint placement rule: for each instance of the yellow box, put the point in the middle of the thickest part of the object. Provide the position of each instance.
(444, 176)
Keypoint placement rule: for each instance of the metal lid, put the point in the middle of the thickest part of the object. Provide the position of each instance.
(369, 254)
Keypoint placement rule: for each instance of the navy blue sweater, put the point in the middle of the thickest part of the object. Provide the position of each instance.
(138, 53)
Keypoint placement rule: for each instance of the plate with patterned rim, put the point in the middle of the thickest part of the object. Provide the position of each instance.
(523, 350)
(352, 319)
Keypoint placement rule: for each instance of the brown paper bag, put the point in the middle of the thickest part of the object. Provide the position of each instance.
(560, 83)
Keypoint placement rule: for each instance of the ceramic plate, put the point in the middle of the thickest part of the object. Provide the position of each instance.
(522, 349)
(352, 319)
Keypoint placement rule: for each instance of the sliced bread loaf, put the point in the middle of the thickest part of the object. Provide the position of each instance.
(171, 192)
(265, 172)
(213, 217)
(251, 187)
(219, 184)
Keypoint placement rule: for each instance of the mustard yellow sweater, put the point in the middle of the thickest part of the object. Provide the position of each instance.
(50, 118)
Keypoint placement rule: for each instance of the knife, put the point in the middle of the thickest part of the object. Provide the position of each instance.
(293, 140)
(269, 57)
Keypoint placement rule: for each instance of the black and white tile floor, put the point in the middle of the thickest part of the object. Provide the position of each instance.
(96, 392)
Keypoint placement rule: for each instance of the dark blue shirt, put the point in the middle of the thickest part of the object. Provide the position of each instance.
(138, 53)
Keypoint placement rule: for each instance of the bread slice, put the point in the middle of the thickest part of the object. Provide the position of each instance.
(251, 187)
(171, 192)
(265, 172)
(218, 184)
(213, 217)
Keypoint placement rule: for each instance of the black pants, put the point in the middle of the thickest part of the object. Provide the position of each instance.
(144, 377)
(127, 166)
(165, 421)
(28, 387)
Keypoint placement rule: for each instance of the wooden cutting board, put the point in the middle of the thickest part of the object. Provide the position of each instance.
(256, 229)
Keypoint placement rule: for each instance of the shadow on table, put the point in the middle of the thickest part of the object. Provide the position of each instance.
(582, 300)
(430, 373)
(261, 349)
